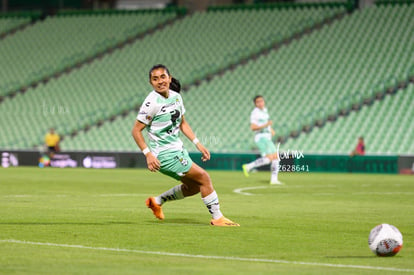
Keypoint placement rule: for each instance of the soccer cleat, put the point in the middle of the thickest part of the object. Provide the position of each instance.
(276, 182)
(245, 170)
(223, 221)
(156, 208)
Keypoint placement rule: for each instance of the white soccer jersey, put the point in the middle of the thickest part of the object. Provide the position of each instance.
(163, 118)
(260, 117)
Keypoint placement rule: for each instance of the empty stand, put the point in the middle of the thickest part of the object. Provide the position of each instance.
(323, 73)
(387, 128)
(63, 41)
(119, 82)
(10, 23)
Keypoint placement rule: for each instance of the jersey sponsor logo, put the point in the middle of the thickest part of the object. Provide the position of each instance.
(164, 108)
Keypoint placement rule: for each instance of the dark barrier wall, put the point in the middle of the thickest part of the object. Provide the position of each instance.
(231, 161)
(295, 162)
(356, 164)
(74, 159)
(406, 164)
(119, 159)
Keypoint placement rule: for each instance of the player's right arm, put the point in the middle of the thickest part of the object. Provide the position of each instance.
(254, 122)
(145, 116)
(152, 162)
(256, 127)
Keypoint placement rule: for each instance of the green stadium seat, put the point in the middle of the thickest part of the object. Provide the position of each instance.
(9, 23)
(321, 73)
(62, 41)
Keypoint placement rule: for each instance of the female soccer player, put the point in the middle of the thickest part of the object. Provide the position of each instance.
(162, 113)
(262, 126)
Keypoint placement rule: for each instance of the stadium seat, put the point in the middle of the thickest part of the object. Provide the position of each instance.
(62, 41)
(10, 23)
(322, 73)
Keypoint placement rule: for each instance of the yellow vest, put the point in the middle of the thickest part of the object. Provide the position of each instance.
(52, 140)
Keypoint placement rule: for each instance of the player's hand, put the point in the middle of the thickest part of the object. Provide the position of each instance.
(269, 123)
(152, 162)
(272, 132)
(204, 151)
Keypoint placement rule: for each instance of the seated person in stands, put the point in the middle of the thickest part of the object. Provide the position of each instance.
(359, 149)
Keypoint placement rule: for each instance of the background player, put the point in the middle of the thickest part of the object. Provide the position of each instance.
(262, 126)
(162, 113)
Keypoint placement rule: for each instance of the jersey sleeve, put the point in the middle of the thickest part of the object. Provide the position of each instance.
(254, 119)
(182, 105)
(147, 111)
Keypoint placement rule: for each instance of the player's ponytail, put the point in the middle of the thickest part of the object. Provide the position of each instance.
(175, 85)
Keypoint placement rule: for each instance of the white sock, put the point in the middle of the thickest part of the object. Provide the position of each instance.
(213, 206)
(173, 194)
(274, 168)
(257, 163)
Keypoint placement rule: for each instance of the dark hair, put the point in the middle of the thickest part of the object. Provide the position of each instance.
(256, 97)
(158, 66)
(175, 85)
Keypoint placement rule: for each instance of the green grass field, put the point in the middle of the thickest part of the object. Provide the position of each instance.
(80, 221)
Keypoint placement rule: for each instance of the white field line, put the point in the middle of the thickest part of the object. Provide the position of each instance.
(209, 257)
(242, 191)
(63, 195)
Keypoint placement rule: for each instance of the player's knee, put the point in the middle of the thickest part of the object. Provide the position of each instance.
(204, 178)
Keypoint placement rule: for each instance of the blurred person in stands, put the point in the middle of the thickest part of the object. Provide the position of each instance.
(162, 114)
(360, 148)
(261, 125)
(52, 140)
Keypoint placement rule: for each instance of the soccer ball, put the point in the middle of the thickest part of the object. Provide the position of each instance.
(385, 240)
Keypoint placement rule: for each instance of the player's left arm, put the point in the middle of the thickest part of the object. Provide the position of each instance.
(272, 131)
(188, 132)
